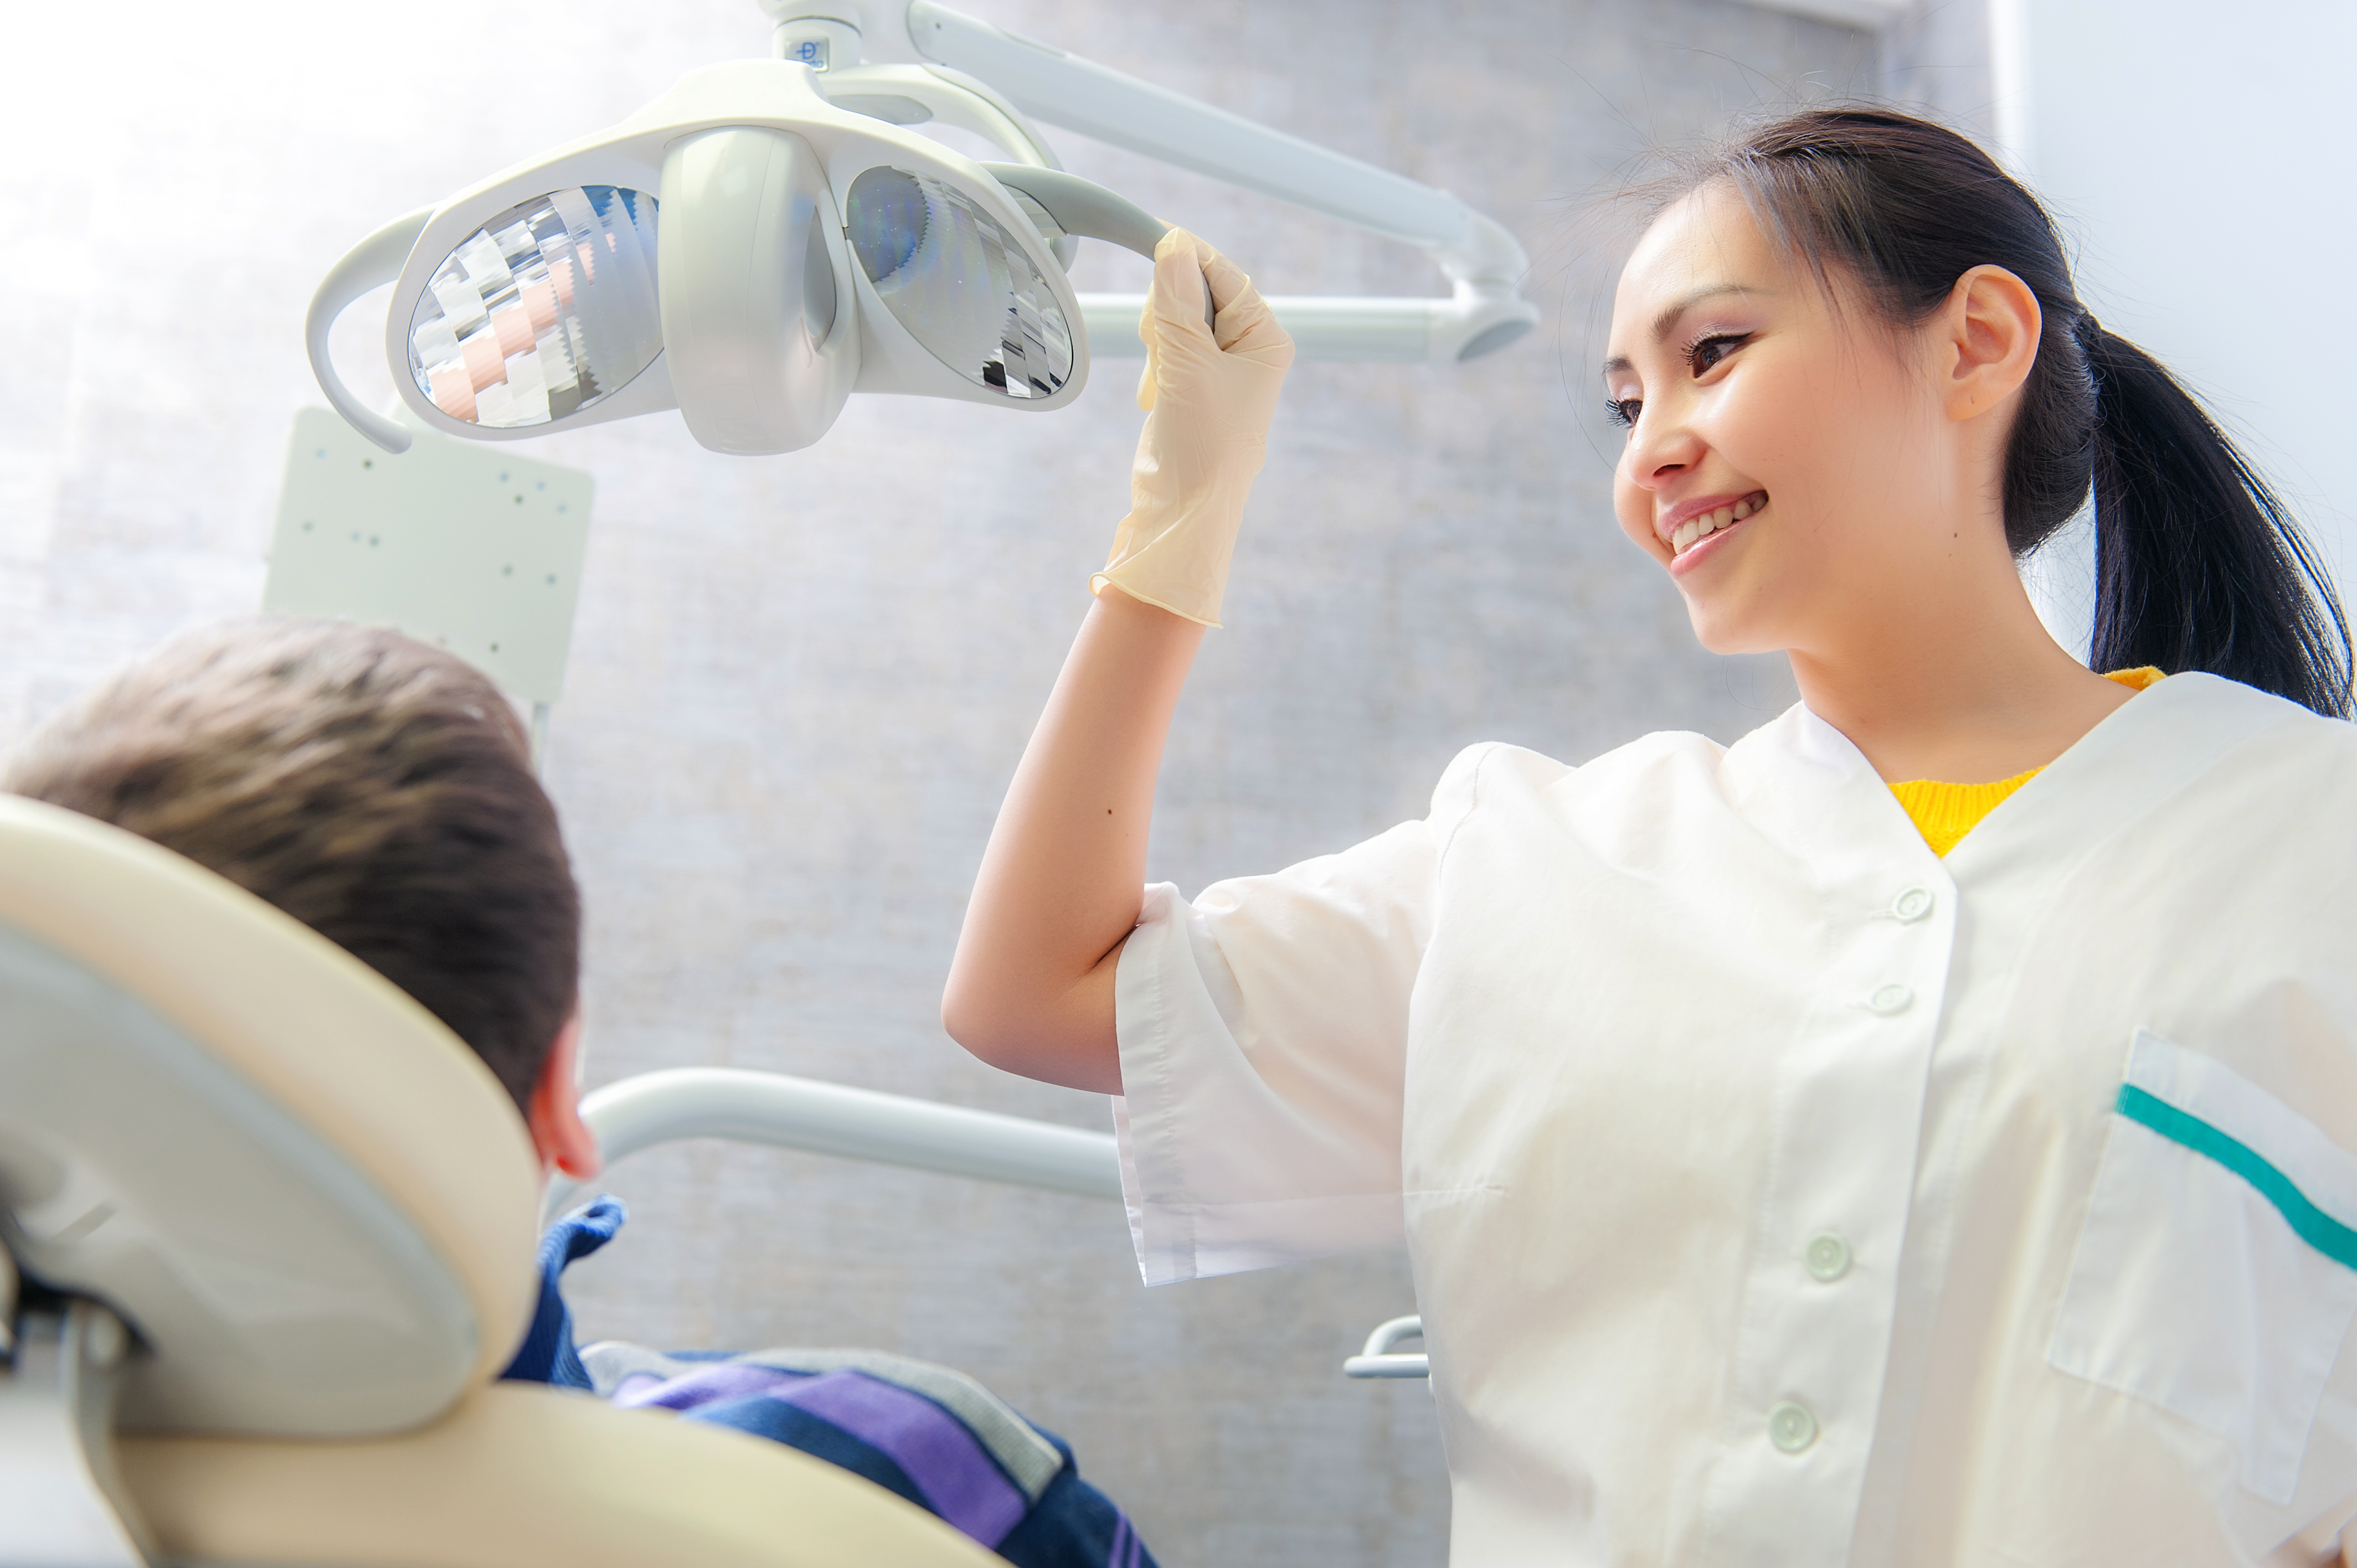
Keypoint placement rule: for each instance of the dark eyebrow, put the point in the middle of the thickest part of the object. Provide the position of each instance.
(1670, 315)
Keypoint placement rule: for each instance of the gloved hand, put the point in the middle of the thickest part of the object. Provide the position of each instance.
(1208, 408)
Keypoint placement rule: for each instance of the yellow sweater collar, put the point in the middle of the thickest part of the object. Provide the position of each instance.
(1945, 813)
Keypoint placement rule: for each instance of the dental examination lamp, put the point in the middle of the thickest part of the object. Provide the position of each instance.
(770, 236)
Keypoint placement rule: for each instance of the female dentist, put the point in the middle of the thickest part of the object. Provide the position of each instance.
(1923, 1131)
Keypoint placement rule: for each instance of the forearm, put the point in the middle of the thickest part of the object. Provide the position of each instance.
(1031, 989)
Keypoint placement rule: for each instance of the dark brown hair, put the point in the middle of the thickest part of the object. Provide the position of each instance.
(378, 790)
(2197, 564)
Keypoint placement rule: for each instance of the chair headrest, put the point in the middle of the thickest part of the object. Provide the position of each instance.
(314, 1203)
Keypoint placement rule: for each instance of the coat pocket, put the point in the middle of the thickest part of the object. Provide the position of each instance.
(2216, 1275)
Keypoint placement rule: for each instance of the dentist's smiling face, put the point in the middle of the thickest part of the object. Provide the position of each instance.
(1779, 460)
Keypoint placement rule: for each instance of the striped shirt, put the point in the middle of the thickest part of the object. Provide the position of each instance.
(924, 1433)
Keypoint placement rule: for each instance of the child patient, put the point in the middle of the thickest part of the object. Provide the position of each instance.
(380, 791)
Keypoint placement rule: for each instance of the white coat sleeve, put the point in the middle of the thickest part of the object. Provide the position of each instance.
(1263, 1042)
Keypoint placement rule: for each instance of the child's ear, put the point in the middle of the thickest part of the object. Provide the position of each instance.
(562, 1139)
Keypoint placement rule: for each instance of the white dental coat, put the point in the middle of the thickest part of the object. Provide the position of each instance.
(1764, 1175)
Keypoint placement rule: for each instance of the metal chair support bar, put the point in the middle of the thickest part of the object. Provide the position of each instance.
(1379, 1360)
(854, 1123)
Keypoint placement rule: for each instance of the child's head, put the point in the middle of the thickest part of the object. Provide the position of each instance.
(1856, 323)
(378, 790)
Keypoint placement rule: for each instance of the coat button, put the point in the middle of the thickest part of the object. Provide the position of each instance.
(1790, 1427)
(1889, 999)
(1826, 1256)
(1912, 904)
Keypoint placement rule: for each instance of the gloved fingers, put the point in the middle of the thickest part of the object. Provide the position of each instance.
(1232, 295)
(1231, 289)
(1222, 276)
(1246, 324)
(1263, 340)
(1147, 335)
(1175, 298)
(1248, 328)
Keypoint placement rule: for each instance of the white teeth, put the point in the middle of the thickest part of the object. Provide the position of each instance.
(1686, 534)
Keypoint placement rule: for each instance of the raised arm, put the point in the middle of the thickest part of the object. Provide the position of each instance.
(1031, 988)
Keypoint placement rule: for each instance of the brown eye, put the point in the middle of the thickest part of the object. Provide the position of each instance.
(1709, 351)
(1624, 410)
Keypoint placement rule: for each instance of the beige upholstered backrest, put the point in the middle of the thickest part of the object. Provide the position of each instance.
(520, 1477)
(312, 1201)
(316, 1206)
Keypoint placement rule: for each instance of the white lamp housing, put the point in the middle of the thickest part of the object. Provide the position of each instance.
(770, 313)
(763, 345)
(769, 237)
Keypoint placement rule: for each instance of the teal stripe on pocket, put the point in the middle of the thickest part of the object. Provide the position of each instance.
(2315, 1227)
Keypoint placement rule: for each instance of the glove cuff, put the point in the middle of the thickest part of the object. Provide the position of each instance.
(1202, 616)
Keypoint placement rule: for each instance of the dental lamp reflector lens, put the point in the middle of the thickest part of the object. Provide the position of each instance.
(964, 288)
(543, 312)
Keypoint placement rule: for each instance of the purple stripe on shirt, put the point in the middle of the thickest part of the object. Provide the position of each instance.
(931, 1446)
(706, 1385)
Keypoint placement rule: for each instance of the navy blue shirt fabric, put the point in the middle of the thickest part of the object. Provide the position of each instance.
(548, 1354)
(857, 1418)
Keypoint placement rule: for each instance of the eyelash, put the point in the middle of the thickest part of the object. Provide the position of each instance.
(1733, 340)
(1624, 411)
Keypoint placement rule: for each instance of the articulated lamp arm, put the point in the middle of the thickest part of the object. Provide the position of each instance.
(1485, 264)
(1062, 89)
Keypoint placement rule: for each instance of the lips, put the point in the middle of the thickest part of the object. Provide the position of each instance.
(1702, 525)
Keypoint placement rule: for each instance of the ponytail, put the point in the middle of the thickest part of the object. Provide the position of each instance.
(2198, 566)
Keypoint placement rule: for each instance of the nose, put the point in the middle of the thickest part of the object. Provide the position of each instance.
(1662, 446)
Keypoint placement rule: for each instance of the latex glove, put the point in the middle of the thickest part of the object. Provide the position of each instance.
(1208, 409)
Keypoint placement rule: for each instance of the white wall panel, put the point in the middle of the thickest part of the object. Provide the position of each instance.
(2200, 155)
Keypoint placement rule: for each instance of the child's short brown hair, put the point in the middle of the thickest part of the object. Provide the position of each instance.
(379, 790)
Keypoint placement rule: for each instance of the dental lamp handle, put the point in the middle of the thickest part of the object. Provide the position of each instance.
(374, 262)
(1084, 209)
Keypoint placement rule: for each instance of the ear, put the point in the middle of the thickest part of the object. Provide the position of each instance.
(1986, 340)
(563, 1140)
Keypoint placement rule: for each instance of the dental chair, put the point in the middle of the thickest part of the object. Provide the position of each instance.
(268, 1235)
